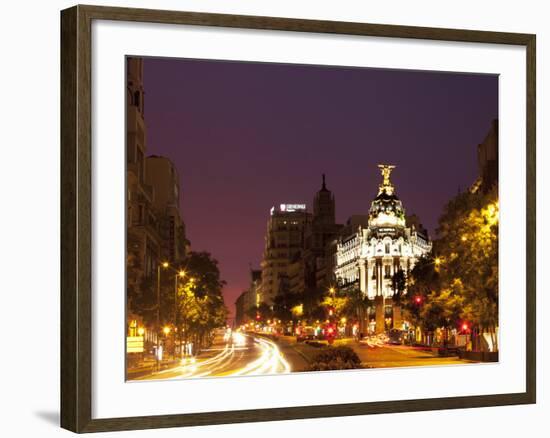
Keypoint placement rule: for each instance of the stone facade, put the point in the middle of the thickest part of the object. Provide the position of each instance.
(284, 243)
(155, 231)
(162, 176)
(369, 254)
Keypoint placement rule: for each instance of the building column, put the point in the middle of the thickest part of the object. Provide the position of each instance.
(370, 281)
(363, 276)
(397, 318)
(379, 277)
(379, 309)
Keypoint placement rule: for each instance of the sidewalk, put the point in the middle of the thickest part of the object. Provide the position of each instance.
(149, 366)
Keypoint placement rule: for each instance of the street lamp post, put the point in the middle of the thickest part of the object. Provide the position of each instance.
(183, 340)
(180, 274)
(163, 265)
(333, 322)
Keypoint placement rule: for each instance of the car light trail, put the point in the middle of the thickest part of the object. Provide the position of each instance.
(264, 358)
(270, 361)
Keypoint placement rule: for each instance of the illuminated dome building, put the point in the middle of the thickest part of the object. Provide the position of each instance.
(371, 251)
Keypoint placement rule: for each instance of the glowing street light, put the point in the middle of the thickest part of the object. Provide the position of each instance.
(180, 274)
(491, 214)
(163, 265)
(166, 330)
(298, 310)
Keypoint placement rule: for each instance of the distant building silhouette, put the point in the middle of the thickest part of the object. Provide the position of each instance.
(296, 245)
(322, 230)
(487, 161)
(284, 243)
(249, 299)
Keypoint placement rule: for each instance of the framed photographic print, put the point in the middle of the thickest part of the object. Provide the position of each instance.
(253, 204)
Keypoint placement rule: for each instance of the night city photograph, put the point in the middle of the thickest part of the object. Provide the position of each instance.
(294, 218)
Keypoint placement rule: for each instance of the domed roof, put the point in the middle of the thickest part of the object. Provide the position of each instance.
(386, 205)
(386, 209)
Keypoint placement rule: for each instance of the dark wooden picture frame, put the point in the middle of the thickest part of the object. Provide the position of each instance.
(76, 225)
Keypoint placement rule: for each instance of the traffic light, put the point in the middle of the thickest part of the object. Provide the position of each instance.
(330, 333)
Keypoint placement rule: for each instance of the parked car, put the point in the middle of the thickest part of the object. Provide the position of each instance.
(305, 334)
(396, 337)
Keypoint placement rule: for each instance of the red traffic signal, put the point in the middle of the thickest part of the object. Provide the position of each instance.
(418, 299)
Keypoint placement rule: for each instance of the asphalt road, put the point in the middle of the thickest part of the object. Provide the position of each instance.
(251, 354)
(239, 355)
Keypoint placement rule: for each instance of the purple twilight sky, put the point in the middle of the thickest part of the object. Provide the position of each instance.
(247, 136)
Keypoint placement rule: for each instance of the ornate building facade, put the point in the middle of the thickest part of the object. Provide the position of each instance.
(367, 257)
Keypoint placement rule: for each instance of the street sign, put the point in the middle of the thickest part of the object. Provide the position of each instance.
(134, 344)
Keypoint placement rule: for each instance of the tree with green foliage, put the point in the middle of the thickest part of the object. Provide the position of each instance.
(422, 281)
(443, 309)
(284, 303)
(312, 300)
(399, 285)
(355, 307)
(461, 283)
(200, 304)
(468, 243)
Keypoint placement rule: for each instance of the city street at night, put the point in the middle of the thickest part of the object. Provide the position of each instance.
(250, 354)
(360, 254)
